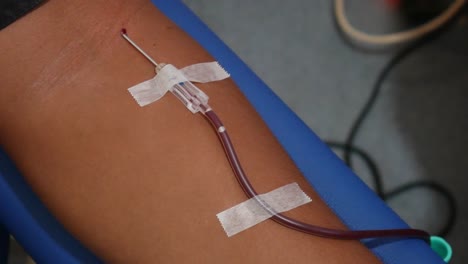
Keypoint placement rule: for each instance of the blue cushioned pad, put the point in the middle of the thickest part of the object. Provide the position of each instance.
(358, 207)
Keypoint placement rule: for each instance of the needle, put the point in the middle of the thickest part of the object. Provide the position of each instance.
(123, 32)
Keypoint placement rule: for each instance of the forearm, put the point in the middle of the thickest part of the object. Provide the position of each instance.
(141, 184)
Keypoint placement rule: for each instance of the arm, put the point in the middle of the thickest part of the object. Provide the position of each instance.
(141, 184)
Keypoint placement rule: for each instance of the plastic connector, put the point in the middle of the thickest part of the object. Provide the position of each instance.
(442, 248)
(191, 96)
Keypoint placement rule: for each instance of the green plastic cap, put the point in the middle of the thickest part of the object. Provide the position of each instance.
(443, 249)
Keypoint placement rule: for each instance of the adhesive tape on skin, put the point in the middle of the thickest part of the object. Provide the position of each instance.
(251, 212)
(205, 72)
(154, 89)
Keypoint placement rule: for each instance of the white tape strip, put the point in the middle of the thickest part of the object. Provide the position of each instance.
(152, 90)
(251, 212)
(205, 72)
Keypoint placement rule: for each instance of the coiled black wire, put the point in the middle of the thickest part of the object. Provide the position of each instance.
(350, 149)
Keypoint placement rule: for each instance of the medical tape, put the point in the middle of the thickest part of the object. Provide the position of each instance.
(205, 72)
(154, 89)
(261, 207)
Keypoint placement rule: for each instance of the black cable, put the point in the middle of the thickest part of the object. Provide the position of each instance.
(370, 102)
(350, 149)
(444, 192)
(379, 189)
(394, 61)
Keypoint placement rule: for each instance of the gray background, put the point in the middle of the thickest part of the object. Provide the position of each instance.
(418, 129)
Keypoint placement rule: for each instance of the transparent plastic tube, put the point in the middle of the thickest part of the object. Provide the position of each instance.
(289, 222)
(197, 101)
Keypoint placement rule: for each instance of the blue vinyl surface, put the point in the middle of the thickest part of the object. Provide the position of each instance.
(27, 219)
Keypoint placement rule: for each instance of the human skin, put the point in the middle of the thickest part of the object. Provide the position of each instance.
(142, 184)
